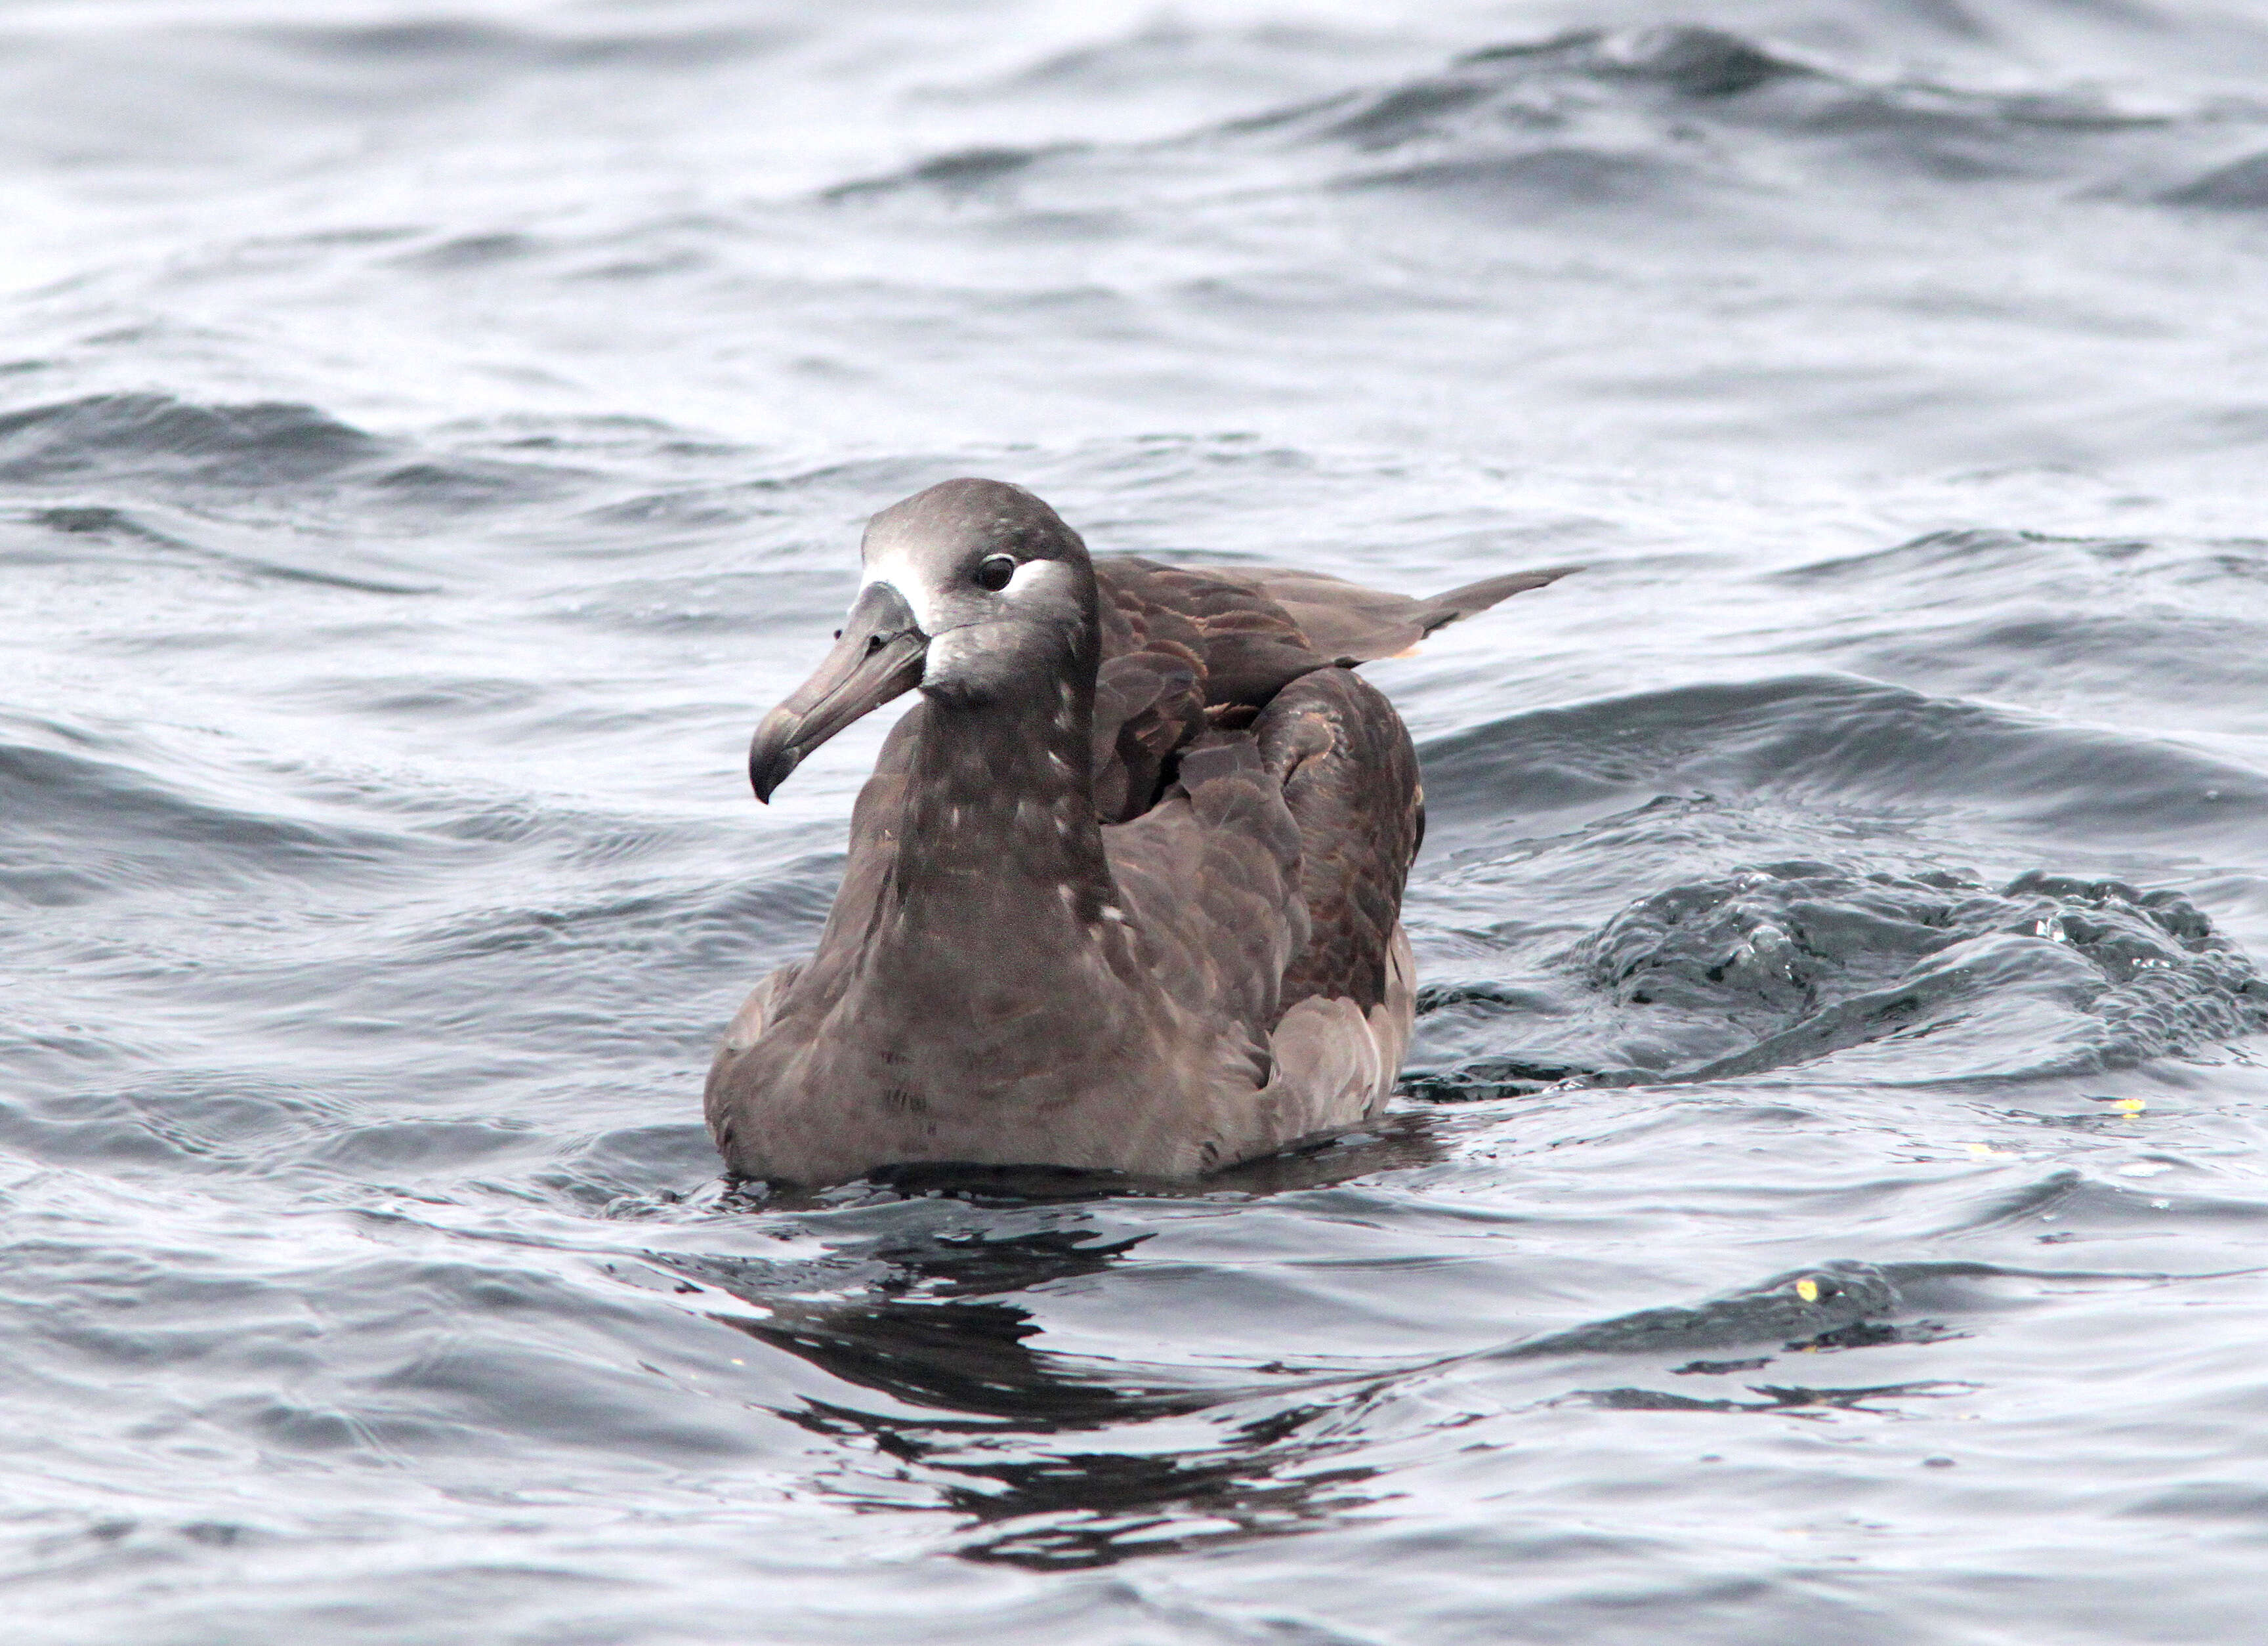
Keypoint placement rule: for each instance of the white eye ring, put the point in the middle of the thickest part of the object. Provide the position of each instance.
(994, 571)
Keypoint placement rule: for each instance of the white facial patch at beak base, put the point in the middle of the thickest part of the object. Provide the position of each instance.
(901, 575)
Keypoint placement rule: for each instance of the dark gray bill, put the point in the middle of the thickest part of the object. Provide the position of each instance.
(878, 657)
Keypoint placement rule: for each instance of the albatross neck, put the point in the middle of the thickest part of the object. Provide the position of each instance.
(999, 822)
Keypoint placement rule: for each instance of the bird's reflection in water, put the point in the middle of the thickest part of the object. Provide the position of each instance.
(1059, 1460)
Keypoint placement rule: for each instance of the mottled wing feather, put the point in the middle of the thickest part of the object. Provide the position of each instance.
(1210, 877)
(1245, 644)
(1349, 774)
(1266, 889)
(1147, 704)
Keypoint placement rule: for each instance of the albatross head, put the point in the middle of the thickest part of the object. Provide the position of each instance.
(971, 587)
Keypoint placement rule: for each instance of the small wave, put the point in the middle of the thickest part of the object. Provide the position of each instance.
(1972, 553)
(75, 828)
(1604, 118)
(471, 251)
(1834, 741)
(1574, 176)
(2190, 669)
(266, 443)
(158, 446)
(1705, 97)
(2240, 186)
(960, 172)
(633, 1168)
(193, 1121)
(1801, 1304)
(2103, 975)
(138, 538)
(1691, 60)
(1930, 978)
(428, 43)
(1502, 86)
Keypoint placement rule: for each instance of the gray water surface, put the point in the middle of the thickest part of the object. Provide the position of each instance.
(1831, 1200)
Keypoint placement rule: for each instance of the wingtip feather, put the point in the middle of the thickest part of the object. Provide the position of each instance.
(1446, 609)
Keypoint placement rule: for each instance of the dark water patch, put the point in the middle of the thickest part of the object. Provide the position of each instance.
(163, 447)
(490, 47)
(1874, 1334)
(470, 251)
(970, 1358)
(1974, 556)
(2184, 663)
(2239, 186)
(1775, 1399)
(1572, 176)
(183, 1119)
(77, 534)
(1541, 86)
(1935, 976)
(1483, 1079)
(635, 1169)
(2070, 1199)
(461, 484)
(1693, 61)
(418, 697)
(387, 1148)
(961, 172)
(157, 436)
(1829, 741)
(76, 827)
(1804, 1303)
(1098, 1509)
(2207, 1501)
(1387, 119)
(1829, 1308)
(1045, 1457)
(2149, 965)
(1701, 102)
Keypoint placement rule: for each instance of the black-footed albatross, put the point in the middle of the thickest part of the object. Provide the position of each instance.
(1125, 892)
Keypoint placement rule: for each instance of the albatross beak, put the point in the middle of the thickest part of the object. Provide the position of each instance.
(878, 657)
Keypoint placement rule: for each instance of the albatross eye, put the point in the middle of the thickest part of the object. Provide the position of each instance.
(994, 571)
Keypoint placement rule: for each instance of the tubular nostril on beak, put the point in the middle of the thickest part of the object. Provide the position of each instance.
(878, 654)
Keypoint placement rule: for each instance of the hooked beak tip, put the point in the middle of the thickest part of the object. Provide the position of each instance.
(766, 775)
(878, 657)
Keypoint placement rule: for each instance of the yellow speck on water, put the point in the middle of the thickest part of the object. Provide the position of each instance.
(1807, 1290)
(2131, 1106)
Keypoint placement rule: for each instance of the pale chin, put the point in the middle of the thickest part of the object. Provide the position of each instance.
(953, 656)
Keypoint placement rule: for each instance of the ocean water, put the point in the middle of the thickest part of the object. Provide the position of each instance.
(1830, 1201)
